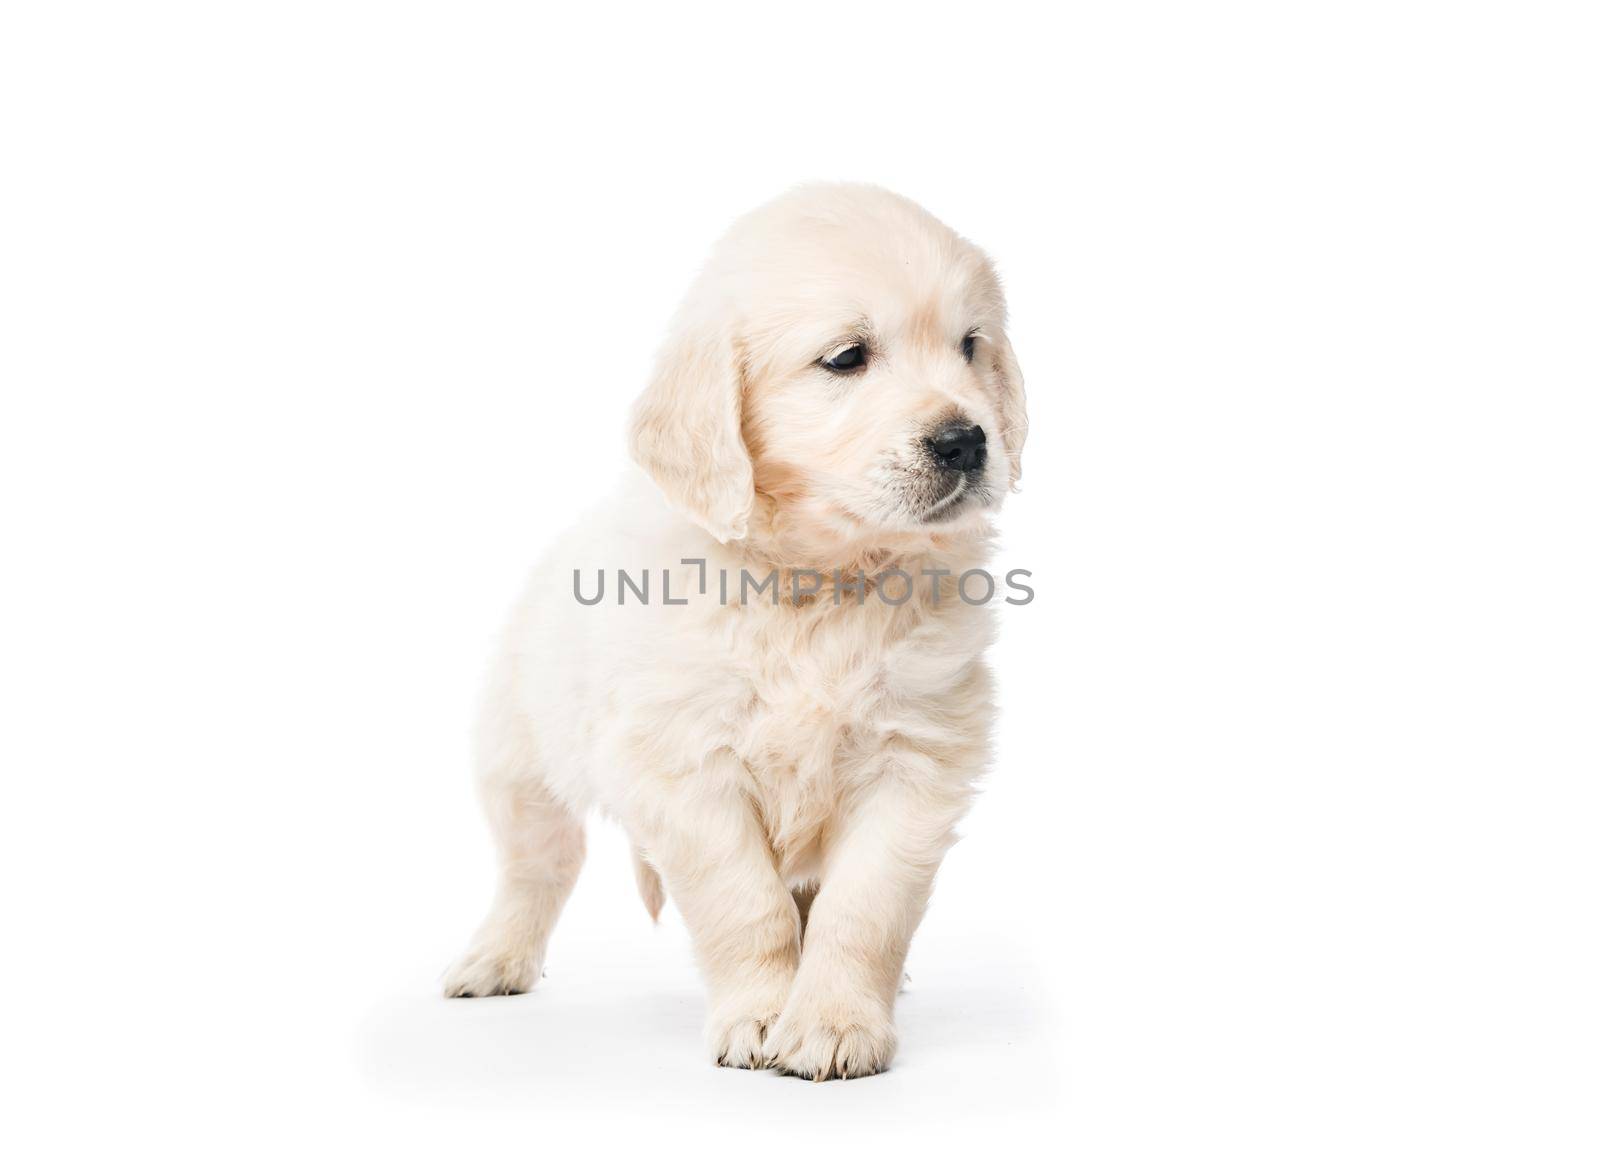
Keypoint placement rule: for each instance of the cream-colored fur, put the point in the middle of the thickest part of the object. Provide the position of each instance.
(757, 752)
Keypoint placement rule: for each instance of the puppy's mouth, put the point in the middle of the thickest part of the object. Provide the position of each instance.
(961, 494)
(951, 502)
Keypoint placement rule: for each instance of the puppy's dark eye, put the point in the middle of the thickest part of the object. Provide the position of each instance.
(969, 346)
(848, 360)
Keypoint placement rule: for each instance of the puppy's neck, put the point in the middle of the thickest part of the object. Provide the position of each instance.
(773, 545)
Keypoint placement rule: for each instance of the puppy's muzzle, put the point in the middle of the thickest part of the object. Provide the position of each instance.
(959, 448)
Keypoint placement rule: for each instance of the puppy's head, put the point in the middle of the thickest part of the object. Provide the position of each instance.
(839, 374)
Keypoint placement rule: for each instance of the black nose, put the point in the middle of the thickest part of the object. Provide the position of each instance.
(959, 447)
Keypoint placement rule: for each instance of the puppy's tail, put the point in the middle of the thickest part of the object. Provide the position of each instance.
(649, 885)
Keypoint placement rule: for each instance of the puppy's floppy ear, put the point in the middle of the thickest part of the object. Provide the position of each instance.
(686, 429)
(1013, 403)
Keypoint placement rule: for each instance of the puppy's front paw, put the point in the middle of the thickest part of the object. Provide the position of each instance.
(821, 1037)
(737, 1029)
(739, 1042)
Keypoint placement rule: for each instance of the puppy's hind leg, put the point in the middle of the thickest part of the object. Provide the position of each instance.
(541, 849)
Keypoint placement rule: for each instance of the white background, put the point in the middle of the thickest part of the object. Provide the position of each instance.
(320, 319)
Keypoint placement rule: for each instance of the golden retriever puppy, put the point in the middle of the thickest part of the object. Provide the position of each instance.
(783, 700)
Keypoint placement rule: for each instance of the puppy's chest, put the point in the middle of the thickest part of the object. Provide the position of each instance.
(818, 710)
(806, 718)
